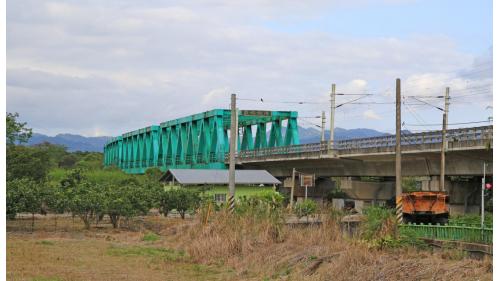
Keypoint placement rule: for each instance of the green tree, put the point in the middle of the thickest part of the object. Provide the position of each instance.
(153, 187)
(167, 202)
(13, 199)
(68, 161)
(54, 152)
(27, 162)
(25, 195)
(86, 200)
(185, 199)
(57, 201)
(127, 199)
(90, 161)
(17, 132)
(117, 204)
(153, 174)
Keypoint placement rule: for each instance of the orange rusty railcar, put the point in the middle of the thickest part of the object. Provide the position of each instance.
(425, 206)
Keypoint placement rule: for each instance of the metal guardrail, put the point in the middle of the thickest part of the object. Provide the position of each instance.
(450, 232)
(464, 134)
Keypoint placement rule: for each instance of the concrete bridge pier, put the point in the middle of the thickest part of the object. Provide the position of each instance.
(464, 195)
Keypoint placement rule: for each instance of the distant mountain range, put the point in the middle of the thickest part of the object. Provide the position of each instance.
(312, 135)
(71, 142)
(81, 143)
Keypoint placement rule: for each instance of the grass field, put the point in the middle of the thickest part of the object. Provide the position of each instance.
(158, 248)
(100, 254)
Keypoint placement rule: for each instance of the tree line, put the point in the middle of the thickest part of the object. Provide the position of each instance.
(46, 178)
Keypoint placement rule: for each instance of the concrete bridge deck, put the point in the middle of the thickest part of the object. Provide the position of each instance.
(467, 150)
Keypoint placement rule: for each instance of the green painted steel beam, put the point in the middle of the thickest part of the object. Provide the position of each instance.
(198, 141)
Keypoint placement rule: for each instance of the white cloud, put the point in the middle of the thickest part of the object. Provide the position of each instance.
(121, 65)
(216, 94)
(372, 115)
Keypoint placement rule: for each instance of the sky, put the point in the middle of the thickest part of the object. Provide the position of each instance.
(102, 68)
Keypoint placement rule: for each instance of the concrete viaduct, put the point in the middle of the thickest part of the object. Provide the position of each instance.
(467, 151)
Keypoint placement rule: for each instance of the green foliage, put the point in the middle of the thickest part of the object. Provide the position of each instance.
(261, 204)
(17, 132)
(126, 200)
(186, 199)
(27, 162)
(55, 176)
(377, 222)
(180, 199)
(114, 177)
(153, 174)
(305, 208)
(90, 161)
(73, 178)
(54, 153)
(163, 253)
(378, 229)
(150, 237)
(68, 161)
(269, 198)
(167, 202)
(472, 219)
(26, 196)
(86, 200)
(56, 199)
(336, 193)
(409, 184)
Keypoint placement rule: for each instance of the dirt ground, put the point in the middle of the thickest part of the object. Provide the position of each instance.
(157, 248)
(101, 253)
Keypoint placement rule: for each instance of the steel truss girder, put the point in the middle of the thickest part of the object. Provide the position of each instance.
(197, 141)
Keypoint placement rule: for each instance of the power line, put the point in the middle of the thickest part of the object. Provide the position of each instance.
(348, 102)
(462, 123)
(311, 123)
(287, 102)
(428, 104)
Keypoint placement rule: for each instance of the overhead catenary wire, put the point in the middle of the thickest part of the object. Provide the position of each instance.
(310, 123)
(437, 107)
(460, 123)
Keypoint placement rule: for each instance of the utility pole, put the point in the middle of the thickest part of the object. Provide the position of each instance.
(232, 153)
(323, 122)
(443, 160)
(483, 185)
(446, 112)
(399, 190)
(293, 188)
(332, 117)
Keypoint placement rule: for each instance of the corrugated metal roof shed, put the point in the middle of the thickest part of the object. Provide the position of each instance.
(216, 176)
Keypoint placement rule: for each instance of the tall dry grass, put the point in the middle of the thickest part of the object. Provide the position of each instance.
(259, 246)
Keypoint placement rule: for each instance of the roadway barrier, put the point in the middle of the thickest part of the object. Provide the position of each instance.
(453, 135)
(450, 232)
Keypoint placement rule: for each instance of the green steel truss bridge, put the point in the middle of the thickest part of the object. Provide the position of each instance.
(200, 140)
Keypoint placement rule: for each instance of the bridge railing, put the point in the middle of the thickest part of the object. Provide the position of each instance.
(450, 232)
(476, 133)
(290, 149)
(464, 134)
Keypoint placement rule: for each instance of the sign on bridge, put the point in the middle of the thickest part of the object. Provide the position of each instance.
(255, 113)
(306, 180)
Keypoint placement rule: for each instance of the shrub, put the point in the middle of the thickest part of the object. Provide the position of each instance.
(86, 200)
(305, 208)
(378, 222)
(180, 199)
(25, 195)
